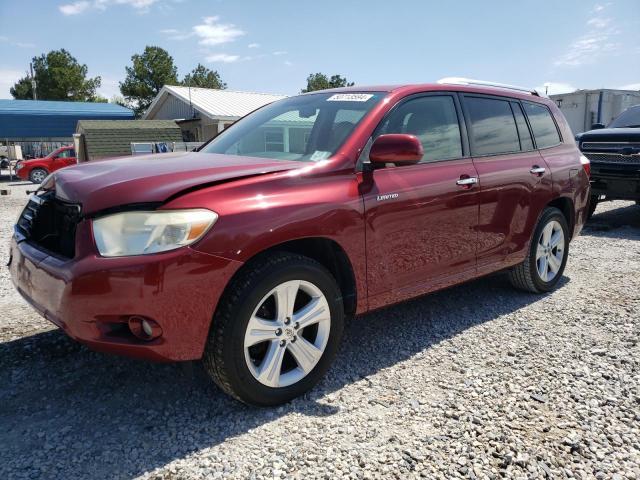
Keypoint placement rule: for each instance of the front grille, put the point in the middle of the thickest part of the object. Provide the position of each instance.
(50, 224)
(609, 146)
(613, 158)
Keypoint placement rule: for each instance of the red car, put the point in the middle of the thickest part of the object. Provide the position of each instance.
(250, 253)
(37, 169)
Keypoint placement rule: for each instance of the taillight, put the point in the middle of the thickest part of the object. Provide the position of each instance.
(586, 164)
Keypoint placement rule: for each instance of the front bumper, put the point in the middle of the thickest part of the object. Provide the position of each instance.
(91, 297)
(616, 182)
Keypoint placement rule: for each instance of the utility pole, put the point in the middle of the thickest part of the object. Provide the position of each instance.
(33, 83)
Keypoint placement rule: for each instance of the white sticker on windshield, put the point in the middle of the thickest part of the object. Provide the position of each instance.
(349, 97)
(319, 155)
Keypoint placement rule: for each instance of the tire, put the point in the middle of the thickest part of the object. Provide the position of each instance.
(37, 175)
(526, 276)
(238, 369)
(593, 203)
(4, 162)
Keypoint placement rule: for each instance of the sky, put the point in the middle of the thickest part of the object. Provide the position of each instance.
(272, 46)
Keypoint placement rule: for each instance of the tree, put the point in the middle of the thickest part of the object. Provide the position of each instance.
(145, 78)
(319, 81)
(203, 77)
(58, 76)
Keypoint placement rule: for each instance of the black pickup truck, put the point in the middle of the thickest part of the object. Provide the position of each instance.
(614, 152)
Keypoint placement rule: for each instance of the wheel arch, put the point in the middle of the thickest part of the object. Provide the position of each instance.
(565, 205)
(329, 254)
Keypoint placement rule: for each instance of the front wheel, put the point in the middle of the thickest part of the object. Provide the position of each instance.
(542, 269)
(276, 331)
(38, 175)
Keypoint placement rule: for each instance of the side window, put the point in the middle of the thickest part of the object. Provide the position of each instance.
(542, 124)
(63, 154)
(493, 128)
(523, 130)
(433, 120)
(72, 153)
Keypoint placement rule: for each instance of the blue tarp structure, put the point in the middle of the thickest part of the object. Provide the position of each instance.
(42, 119)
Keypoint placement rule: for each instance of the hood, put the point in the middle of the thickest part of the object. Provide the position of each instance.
(99, 185)
(611, 135)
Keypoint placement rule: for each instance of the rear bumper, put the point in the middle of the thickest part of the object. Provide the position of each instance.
(91, 298)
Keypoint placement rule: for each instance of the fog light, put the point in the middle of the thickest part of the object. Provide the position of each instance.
(144, 328)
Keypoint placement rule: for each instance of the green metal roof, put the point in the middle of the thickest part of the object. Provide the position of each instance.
(113, 138)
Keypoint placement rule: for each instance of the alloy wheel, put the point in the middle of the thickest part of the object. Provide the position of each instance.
(550, 251)
(287, 333)
(38, 176)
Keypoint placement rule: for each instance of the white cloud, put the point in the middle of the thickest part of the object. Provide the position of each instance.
(598, 22)
(81, 6)
(588, 48)
(279, 52)
(254, 45)
(630, 86)
(8, 77)
(109, 87)
(222, 58)
(212, 32)
(74, 8)
(4, 39)
(209, 33)
(288, 63)
(554, 88)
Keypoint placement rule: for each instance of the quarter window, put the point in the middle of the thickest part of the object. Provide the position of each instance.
(493, 127)
(542, 124)
(433, 119)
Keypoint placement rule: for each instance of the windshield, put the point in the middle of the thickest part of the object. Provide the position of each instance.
(630, 118)
(303, 128)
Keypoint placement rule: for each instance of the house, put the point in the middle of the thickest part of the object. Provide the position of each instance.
(202, 113)
(97, 139)
(41, 126)
(583, 108)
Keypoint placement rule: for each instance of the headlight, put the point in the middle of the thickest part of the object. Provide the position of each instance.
(138, 233)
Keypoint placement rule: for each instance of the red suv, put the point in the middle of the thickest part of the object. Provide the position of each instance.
(250, 254)
(37, 169)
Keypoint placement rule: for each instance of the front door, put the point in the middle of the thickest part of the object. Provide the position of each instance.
(421, 220)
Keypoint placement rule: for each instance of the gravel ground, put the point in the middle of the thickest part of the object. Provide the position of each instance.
(478, 381)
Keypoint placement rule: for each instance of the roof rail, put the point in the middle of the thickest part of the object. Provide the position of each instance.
(470, 81)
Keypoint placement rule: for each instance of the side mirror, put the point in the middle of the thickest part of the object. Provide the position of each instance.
(597, 126)
(397, 148)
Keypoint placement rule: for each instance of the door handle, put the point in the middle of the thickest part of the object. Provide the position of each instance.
(536, 170)
(467, 182)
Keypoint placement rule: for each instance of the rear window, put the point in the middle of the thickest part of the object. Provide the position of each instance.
(493, 127)
(544, 128)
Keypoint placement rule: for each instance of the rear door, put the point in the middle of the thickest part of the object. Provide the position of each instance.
(515, 182)
(421, 220)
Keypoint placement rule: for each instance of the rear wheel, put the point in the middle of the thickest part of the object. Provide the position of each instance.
(38, 175)
(542, 269)
(276, 331)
